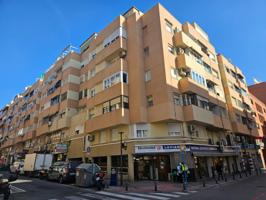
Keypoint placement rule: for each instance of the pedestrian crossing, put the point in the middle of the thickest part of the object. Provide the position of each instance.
(107, 195)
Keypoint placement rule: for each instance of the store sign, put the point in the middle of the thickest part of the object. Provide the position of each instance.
(160, 148)
(202, 148)
(60, 148)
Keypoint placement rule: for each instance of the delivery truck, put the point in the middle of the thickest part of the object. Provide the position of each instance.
(35, 163)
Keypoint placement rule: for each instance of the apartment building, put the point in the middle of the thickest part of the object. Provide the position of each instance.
(164, 98)
(240, 111)
(19, 122)
(259, 112)
(258, 90)
(148, 84)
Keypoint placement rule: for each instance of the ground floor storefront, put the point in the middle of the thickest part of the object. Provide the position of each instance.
(159, 161)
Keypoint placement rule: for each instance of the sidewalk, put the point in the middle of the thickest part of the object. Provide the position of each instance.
(149, 186)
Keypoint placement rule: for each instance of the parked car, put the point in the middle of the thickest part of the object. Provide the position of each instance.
(17, 167)
(63, 171)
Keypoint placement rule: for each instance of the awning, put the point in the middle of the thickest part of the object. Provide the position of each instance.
(215, 154)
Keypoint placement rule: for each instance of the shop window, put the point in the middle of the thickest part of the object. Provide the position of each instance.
(149, 101)
(116, 163)
(102, 162)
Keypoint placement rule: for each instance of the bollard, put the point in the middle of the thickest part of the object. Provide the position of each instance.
(225, 178)
(257, 172)
(216, 181)
(155, 186)
(126, 186)
(203, 183)
(234, 178)
(246, 173)
(240, 175)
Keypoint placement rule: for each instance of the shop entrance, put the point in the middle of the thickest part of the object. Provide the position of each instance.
(148, 167)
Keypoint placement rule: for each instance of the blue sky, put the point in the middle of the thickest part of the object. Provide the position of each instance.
(33, 33)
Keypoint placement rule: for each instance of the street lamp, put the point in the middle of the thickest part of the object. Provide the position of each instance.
(122, 146)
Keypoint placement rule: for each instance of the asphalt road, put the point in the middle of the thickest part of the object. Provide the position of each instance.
(253, 188)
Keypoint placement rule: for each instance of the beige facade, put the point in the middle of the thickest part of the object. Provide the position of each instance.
(151, 79)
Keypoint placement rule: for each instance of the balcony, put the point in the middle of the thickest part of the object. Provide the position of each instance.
(221, 122)
(183, 40)
(187, 85)
(240, 128)
(165, 111)
(199, 115)
(59, 123)
(186, 61)
(114, 118)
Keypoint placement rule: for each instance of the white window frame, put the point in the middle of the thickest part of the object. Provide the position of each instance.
(147, 75)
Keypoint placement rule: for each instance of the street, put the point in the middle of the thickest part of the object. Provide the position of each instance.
(252, 188)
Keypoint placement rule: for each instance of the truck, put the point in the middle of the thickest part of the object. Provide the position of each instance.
(34, 163)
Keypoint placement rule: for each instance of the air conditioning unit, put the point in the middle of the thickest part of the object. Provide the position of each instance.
(180, 51)
(49, 123)
(182, 72)
(191, 129)
(91, 138)
(123, 54)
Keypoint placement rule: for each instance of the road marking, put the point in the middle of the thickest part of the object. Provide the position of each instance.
(16, 189)
(75, 198)
(147, 195)
(21, 181)
(167, 195)
(120, 196)
(182, 193)
(192, 191)
(95, 196)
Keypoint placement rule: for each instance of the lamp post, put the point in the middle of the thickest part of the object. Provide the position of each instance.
(121, 157)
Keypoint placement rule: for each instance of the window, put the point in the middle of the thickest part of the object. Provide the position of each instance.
(207, 68)
(55, 100)
(92, 92)
(92, 73)
(64, 96)
(85, 92)
(238, 118)
(149, 101)
(174, 72)
(215, 73)
(141, 130)
(198, 78)
(80, 95)
(102, 137)
(91, 113)
(174, 129)
(146, 51)
(169, 26)
(114, 79)
(148, 75)
(171, 49)
(177, 99)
